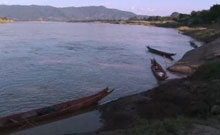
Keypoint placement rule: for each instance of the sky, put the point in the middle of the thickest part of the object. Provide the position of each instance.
(142, 7)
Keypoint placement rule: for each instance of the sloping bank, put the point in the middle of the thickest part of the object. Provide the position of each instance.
(197, 57)
(188, 106)
(177, 103)
(182, 106)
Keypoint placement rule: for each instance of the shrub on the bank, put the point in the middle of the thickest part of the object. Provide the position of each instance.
(205, 16)
(209, 71)
(195, 18)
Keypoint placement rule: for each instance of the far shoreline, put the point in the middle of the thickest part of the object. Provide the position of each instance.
(138, 97)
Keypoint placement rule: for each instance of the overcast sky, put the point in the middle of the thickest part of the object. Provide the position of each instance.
(144, 7)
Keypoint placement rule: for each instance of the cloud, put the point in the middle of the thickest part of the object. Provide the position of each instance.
(143, 10)
(4, 2)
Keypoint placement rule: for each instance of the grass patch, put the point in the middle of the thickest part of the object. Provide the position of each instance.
(203, 33)
(208, 72)
(163, 127)
(179, 126)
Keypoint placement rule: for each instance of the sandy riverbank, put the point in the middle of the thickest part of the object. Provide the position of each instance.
(4, 21)
(204, 33)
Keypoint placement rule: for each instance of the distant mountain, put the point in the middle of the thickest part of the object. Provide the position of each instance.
(48, 13)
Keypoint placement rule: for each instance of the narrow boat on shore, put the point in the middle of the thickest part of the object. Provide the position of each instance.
(46, 113)
(158, 71)
(161, 53)
(193, 44)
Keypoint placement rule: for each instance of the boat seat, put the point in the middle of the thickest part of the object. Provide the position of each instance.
(161, 74)
(29, 115)
(12, 120)
(46, 111)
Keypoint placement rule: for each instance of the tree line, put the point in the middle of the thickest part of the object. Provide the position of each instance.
(195, 18)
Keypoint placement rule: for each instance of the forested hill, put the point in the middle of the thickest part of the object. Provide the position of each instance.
(48, 13)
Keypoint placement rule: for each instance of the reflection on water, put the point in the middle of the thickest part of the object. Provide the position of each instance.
(120, 66)
(45, 64)
(86, 122)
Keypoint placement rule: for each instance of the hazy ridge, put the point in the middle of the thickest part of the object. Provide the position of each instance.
(49, 13)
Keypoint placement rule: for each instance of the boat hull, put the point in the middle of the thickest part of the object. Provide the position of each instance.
(47, 113)
(158, 72)
(161, 53)
(193, 44)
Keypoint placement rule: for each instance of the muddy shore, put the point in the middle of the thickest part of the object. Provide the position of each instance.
(193, 59)
(188, 106)
(182, 106)
(182, 103)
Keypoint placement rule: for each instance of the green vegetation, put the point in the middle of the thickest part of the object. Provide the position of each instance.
(179, 126)
(203, 17)
(208, 72)
(174, 108)
(177, 107)
(206, 16)
(202, 25)
(162, 127)
(206, 33)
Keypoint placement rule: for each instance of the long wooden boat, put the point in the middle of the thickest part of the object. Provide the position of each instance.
(193, 44)
(161, 53)
(158, 71)
(46, 113)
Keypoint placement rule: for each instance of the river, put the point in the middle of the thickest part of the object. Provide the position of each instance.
(42, 64)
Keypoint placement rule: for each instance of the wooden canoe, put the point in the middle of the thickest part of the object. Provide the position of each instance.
(46, 113)
(158, 71)
(193, 44)
(161, 53)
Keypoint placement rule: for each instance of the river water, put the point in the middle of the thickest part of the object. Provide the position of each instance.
(43, 64)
